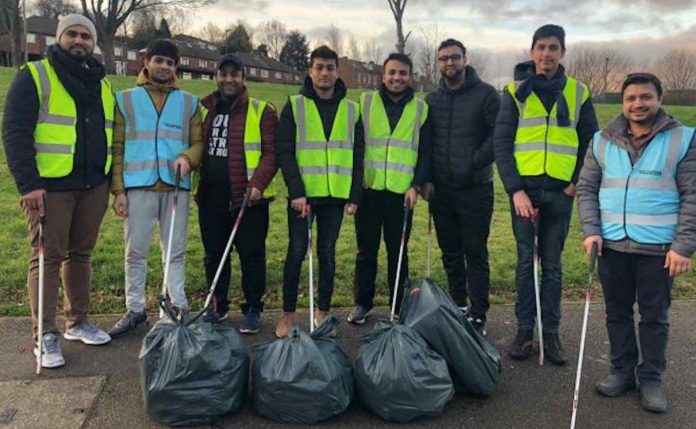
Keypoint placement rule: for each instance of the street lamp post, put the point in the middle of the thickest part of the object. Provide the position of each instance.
(24, 32)
(606, 78)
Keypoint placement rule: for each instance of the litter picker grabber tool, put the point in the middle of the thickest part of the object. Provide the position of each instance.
(588, 301)
(537, 292)
(39, 355)
(430, 243)
(168, 257)
(311, 268)
(225, 256)
(407, 209)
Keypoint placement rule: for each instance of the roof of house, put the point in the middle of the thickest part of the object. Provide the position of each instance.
(360, 66)
(194, 47)
(251, 59)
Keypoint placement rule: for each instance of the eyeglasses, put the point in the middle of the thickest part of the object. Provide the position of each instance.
(454, 57)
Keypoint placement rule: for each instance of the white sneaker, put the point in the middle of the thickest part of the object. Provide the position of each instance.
(52, 356)
(87, 333)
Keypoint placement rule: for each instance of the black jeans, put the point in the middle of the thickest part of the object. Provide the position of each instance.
(462, 221)
(379, 211)
(626, 277)
(250, 242)
(329, 219)
(555, 209)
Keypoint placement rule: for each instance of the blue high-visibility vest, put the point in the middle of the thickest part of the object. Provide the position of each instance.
(641, 202)
(154, 140)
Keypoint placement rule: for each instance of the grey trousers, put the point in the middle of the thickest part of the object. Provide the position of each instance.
(145, 209)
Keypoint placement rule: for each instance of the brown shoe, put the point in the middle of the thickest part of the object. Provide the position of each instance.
(319, 318)
(284, 324)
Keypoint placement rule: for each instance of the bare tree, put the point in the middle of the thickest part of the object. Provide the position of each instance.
(602, 70)
(109, 16)
(427, 57)
(334, 39)
(54, 8)
(11, 19)
(272, 34)
(372, 51)
(353, 51)
(677, 68)
(397, 7)
(212, 33)
(479, 59)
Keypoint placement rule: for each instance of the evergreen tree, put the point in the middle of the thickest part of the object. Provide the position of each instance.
(295, 52)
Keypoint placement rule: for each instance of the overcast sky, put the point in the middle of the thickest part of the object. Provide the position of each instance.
(498, 25)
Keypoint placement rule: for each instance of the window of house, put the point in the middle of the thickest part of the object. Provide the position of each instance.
(31, 38)
(184, 61)
(131, 55)
(50, 40)
(278, 75)
(118, 51)
(252, 71)
(264, 73)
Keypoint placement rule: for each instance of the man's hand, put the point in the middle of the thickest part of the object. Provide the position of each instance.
(300, 206)
(411, 197)
(588, 244)
(255, 195)
(569, 190)
(351, 208)
(523, 205)
(121, 205)
(182, 163)
(676, 263)
(34, 200)
(427, 191)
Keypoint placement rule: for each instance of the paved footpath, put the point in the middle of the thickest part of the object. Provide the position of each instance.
(99, 387)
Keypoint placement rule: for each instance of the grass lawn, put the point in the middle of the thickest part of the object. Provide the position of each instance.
(108, 280)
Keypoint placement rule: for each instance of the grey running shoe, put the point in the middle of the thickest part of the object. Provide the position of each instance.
(358, 315)
(52, 355)
(127, 323)
(87, 333)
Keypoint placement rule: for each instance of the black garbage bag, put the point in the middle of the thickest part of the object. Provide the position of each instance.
(192, 375)
(474, 363)
(302, 378)
(400, 378)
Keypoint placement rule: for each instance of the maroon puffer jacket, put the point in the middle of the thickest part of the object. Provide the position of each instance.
(235, 143)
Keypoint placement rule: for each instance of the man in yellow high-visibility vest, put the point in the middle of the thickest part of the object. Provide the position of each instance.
(57, 132)
(320, 147)
(240, 132)
(545, 123)
(397, 160)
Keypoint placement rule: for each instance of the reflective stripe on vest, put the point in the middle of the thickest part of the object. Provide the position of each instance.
(326, 166)
(252, 142)
(154, 140)
(641, 201)
(55, 134)
(390, 157)
(542, 146)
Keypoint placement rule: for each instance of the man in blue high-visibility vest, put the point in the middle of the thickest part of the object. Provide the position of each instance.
(637, 203)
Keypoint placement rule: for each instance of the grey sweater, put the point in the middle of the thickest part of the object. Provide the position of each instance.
(684, 242)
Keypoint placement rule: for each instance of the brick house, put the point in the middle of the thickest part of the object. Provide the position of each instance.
(357, 74)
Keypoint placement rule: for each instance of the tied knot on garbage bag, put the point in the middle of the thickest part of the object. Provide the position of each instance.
(303, 378)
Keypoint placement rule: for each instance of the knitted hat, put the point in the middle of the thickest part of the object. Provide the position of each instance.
(163, 48)
(550, 30)
(75, 19)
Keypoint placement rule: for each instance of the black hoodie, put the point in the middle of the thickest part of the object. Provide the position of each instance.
(506, 128)
(285, 144)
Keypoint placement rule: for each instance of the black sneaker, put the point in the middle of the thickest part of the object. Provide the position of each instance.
(652, 397)
(251, 324)
(127, 323)
(553, 350)
(359, 315)
(211, 316)
(479, 323)
(523, 345)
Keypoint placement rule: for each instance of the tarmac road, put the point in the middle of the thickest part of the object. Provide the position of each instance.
(529, 396)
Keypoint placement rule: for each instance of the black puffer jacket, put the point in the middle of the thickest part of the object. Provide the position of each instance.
(285, 144)
(462, 123)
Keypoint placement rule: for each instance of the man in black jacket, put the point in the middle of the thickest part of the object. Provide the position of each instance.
(313, 152)
(57, 135)
(462, 113)
(545, 123)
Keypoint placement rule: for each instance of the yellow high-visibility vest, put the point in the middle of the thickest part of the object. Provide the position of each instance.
(55, 135)
(542, 146)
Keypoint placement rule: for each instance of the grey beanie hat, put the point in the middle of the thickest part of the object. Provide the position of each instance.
(75, 19)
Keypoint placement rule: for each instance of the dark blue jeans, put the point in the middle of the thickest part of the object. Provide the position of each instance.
(555, 209)
(625, 278)
(329, 219)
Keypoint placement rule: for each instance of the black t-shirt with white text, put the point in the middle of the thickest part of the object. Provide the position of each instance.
(215, 167)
